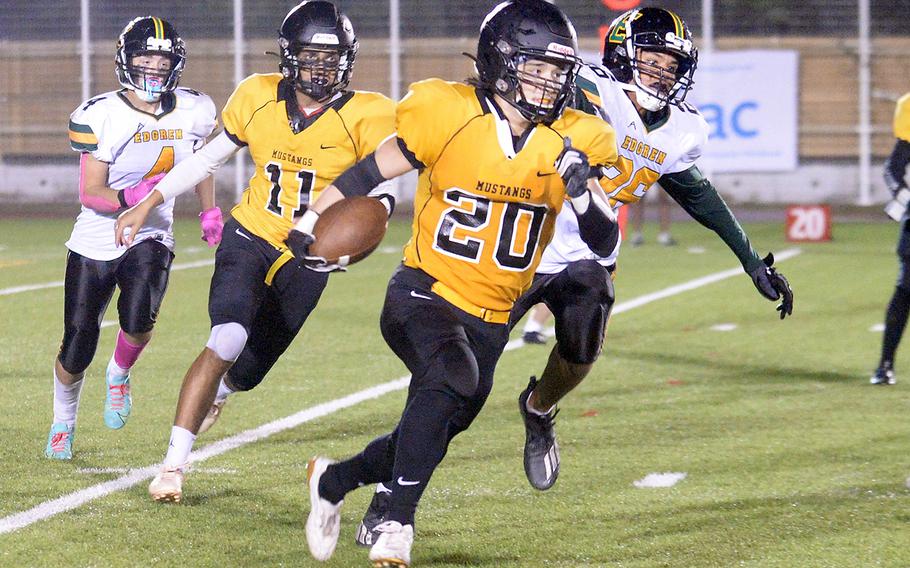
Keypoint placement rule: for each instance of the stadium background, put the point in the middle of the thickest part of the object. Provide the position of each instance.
(792, 458)
(844, 128)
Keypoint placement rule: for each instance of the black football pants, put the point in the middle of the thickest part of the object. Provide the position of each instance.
(451, 355)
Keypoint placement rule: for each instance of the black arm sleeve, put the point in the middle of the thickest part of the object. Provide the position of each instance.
(896, 166)
(697, 196)
(597, 230)
(361, 178)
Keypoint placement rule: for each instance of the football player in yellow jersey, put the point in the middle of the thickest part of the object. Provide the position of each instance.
(497, 159)
(899, 306)
(303, 129)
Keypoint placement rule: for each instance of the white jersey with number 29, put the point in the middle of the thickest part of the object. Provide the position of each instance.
(645, 153)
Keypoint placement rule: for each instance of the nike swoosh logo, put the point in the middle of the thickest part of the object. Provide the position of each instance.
(541, 174)
(401, 481)
(416, 295)
(324, 147)
(243, 235)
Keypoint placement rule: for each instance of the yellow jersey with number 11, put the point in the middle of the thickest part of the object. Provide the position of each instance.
(296, 155)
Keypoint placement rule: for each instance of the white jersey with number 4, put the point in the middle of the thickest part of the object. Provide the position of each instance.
(645, 154)
(136, 145)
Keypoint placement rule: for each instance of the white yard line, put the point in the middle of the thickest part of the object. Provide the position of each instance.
(657, 480)
(59, 283)
(71, 501)
(108, 470)
(136, 476)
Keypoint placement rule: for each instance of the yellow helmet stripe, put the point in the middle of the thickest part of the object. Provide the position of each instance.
(159, 28)
(677, 23)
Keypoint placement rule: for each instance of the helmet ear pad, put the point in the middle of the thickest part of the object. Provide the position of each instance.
(618, 65)
(506, 82)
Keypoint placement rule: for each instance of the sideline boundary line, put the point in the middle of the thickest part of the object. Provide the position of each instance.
(59, 283)
(76, 499)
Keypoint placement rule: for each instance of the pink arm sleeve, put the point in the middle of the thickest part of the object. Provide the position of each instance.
(95, 202)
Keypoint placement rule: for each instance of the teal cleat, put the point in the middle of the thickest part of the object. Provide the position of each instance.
(60, 442)
(118, 403)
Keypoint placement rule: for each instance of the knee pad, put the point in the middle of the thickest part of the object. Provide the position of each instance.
(584, 346)
(78, 348)
(455, 368)
(581, 320)
(227, 340)
(587, 277)
(134, 325)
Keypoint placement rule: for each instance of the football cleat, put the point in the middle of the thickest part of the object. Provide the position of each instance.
(666, 239)
(118, 403)
(60, 442)
(324, 521)
(534, 337)
(541, 450)
(167, 487)
(393, 545)
(884, 375)
(212, 417)
(637, 239)
(375, 516)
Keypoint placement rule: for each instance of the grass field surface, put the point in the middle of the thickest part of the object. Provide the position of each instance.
(790, 457)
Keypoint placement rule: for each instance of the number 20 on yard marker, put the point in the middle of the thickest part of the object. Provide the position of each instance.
(809, 223)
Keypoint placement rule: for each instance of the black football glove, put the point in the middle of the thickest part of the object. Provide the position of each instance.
(300, 243)
(773, 285)
(572, 166)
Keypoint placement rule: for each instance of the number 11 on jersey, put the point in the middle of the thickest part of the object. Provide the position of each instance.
(305, 181)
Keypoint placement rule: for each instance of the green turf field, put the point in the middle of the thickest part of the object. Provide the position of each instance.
(792, 459)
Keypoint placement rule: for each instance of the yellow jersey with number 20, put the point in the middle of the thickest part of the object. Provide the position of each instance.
(484, 212)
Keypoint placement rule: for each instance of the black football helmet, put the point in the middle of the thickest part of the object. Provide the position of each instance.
(516, 32)
(651, 29)
(317, 38)
(148, 35)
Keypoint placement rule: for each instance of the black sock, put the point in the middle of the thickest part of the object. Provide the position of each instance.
(372, 465)
(895, 321)
(422, 443)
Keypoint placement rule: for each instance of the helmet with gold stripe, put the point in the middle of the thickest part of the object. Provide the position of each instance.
(630, 46)
(150, 57)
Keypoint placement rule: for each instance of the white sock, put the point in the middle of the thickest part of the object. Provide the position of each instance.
(381, 488)
(533, 410)
(66, 400)
(181, 444)
(532, 326)
(223, 391)
(116, 369)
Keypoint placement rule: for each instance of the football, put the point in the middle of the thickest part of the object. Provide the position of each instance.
(349, 230)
